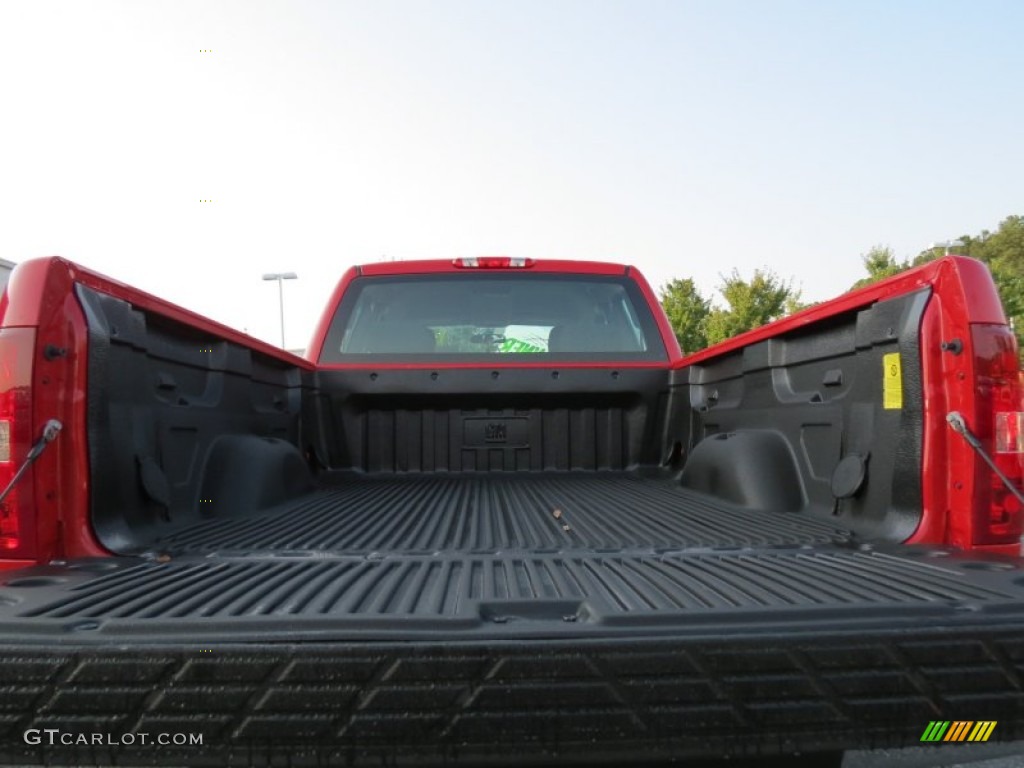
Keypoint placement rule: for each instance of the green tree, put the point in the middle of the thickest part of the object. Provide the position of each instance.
(794, 305)
(1002, 251)
(880, 262)
(751, 303)
(1005, 246)
(688, 313)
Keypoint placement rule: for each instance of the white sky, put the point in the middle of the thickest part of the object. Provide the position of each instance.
(686, 138)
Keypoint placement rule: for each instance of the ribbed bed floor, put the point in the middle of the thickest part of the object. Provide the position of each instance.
(548, 553)
(598, 512)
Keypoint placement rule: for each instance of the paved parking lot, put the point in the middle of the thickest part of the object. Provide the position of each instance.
(1006, 755)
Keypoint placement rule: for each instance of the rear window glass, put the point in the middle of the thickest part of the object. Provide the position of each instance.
(486, 316)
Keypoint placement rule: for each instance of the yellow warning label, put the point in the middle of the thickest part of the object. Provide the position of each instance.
(892, 382)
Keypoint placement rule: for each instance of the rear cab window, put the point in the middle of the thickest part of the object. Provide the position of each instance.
(491, 316)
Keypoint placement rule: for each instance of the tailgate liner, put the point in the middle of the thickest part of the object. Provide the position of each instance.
(600, 511)
(513, 703)
(581, 593)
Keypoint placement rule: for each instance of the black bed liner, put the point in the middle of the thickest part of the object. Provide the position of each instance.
(483, 592)
(584, 658)
(532, 512)
(451, 620)
(510, 703)
(589, 554)
(362, 660)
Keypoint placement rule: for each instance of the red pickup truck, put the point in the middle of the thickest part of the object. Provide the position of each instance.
(496, 516)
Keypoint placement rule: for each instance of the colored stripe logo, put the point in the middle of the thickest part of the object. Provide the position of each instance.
(959, 730)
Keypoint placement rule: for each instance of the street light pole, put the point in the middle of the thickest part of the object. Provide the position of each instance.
(280, 277)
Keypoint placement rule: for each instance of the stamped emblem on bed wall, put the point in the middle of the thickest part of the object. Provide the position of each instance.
(495, 432)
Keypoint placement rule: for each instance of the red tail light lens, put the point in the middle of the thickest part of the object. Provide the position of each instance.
(999, 518)
(16, 344)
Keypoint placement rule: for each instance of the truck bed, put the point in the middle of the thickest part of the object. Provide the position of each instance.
(527, 513)
(498, 555)
(429, 620)
(436, 565)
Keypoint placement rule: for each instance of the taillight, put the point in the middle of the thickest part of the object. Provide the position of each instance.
(17, 537)
(492, 262)
(1010, 432)
(998, 515)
